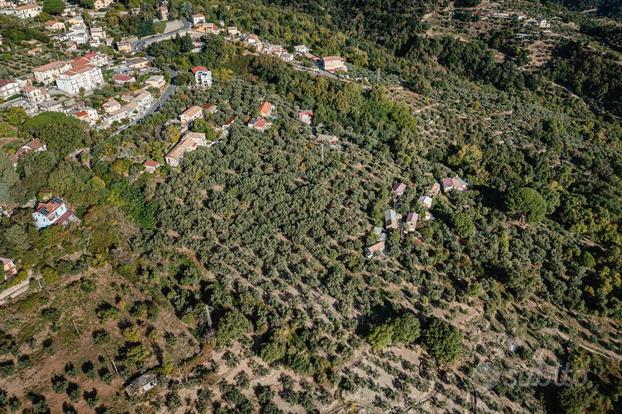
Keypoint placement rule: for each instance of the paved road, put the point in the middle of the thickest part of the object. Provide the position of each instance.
(140, 44)
(320, 72)
(166, 95)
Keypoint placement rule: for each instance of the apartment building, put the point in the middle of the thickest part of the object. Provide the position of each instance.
(48, 73)
(86, 77)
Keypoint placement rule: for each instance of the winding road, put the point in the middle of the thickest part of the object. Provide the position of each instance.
(141, 43)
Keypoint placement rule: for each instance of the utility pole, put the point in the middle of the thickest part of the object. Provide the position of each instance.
(112, 361)
(209, 317)
(75, 327)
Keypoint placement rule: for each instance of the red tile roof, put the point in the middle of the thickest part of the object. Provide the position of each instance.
(209, 107)
(199, 69)
(230, 121)
(122, 78)
(35, 144)
(265, 108)
(65, 217)
(4, 82)
(50, 66)
(151, 163)
(50, 207)
(260, 123)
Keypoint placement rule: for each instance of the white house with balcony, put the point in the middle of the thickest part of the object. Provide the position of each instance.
(202, 76)
(85, 78)
(54, 211)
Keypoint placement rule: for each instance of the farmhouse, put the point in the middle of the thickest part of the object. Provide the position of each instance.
(456, 183)
(259, 124)
(150, 166)
(191, 114)
(36, 145)
(334, 64)
(189, 142)
(374, 249)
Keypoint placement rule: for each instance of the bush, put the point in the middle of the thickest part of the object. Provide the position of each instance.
(442, 341)
(53, 6)
(463, 225)
(526, 202)
(400, 330)
(61, 133)
(59, 384)
(232, 326)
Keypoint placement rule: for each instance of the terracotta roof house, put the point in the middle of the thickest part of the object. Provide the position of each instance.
(202, 76)
(209, 108)
(334, 64)
(198, 18)
(265, 109)
(456, 183)
(207, 28)
(49, 72)
(54, 25)
(390, 219)
(259, 124)
(191, 114)
(121, 79)
(54, 211)
(189, 142)
(35, 145)
(374, 249)
(229, 122)
(83, 77)
(253, 40)
(35, 95)
(276, 50)
(111, 105)
(150, 166)
(88, 115)
(398, 189)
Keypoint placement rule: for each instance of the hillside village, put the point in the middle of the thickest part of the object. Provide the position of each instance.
(178, 241)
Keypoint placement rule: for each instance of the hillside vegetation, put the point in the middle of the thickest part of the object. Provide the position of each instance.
(240, 278)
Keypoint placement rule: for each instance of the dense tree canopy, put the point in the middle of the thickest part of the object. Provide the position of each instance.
(53, 6)
(60, 132)
(526, 202)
